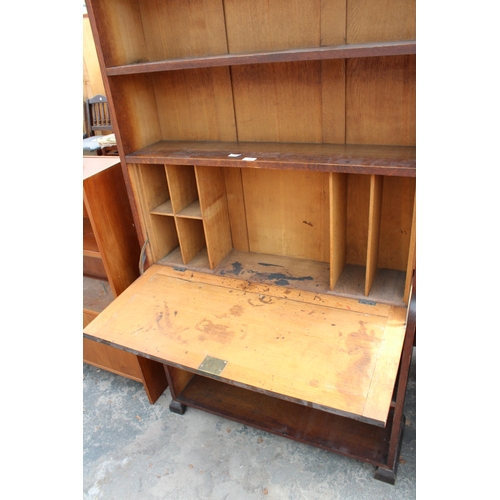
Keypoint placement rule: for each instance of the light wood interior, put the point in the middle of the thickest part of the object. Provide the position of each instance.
(359, 225)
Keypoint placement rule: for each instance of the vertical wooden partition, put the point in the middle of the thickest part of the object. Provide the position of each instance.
(338, 230)
(213, 201)
(374, 215)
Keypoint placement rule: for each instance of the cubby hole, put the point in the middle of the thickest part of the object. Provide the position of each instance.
(193, 245)
(184, 192)
(279, 223)
(378, 227)
(155, 194)
(172, 215)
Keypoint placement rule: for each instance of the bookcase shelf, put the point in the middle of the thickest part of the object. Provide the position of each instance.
(404, 47)
(346, 158)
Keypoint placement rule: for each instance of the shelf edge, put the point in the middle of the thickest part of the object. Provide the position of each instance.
(405, 47)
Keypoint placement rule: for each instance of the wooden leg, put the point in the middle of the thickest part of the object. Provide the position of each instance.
(177, 407)
(388, 475)
(177, 381)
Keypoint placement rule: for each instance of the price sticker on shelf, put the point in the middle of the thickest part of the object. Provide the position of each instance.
(247, 158)
(234, 155)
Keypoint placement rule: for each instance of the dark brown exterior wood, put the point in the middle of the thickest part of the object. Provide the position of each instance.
(307, 54)
(380, 160)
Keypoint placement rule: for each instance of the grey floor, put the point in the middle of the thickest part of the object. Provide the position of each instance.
(136, 451)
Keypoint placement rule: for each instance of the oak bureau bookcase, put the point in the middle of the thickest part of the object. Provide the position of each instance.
(269, 154)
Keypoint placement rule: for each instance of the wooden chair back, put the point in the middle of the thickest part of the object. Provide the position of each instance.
(98, 117)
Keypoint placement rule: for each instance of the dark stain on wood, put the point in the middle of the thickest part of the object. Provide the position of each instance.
(237, 268)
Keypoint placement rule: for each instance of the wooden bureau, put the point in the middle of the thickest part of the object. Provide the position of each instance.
(269, 155)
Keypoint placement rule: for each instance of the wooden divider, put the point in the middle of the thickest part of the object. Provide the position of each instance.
(338, 221)
(411, 255)
(191, 237)
(376, 185)
(213, 202)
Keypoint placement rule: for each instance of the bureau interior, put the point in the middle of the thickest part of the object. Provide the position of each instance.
(328, 232)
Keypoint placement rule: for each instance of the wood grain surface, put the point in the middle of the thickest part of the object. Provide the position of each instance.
(305, 351)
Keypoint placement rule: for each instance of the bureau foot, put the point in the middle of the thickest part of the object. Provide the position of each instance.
(389, 475)
(177, 407)
(386, 475)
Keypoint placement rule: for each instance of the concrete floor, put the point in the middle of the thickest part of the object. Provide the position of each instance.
(136, 451)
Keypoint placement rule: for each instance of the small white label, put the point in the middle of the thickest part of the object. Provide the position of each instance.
(234, 155)
(248, 159)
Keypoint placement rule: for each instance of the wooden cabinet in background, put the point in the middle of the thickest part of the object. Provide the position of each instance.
(269, 150)
(110, 264)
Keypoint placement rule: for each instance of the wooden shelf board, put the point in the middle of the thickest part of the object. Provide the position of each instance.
(299, 274)
(192, 211)
(403, 47)
(388, 285)
(97, 294)
(276, 270)
(163, 209)
(364, 159)
(92, 253)
(198, 263)
(314, 350)
(304, 424)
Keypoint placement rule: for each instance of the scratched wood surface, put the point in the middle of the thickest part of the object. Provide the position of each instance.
(314, 350)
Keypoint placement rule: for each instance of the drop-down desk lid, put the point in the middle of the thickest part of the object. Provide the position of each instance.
(335, 354)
